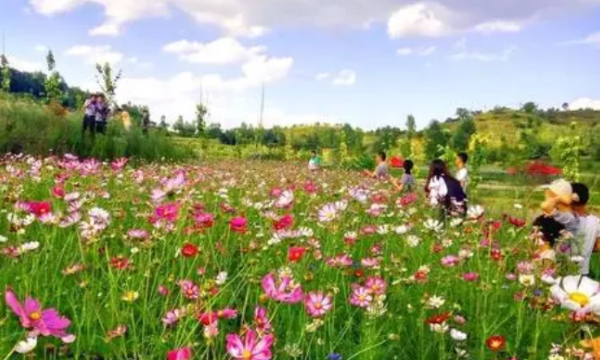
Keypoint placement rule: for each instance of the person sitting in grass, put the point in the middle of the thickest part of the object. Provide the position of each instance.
(382, 169)
(557, 204)
(462, 174)
(315, 161)
(546, 232)
(586, 241)
(442, 189)
(407, 181)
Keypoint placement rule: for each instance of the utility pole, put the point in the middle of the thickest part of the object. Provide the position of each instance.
(262, 107)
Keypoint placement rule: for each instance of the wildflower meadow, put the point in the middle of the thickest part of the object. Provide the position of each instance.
(258, 261)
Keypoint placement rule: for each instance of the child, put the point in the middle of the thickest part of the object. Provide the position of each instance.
(462, 174)
(89, 118)
(382, 170)
(589, 228)
(315, 161)
(407, 181)
(443, 189)
(546, 230)
(559, 196)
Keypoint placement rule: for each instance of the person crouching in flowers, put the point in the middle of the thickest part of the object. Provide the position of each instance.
(546, 232)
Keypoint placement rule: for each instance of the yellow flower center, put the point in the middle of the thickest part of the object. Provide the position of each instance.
(318, 305)
(362, 297)
(35, 316)
(580, 298)
(246, 355)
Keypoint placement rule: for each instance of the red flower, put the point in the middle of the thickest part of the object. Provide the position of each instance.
(495, 342)
(286, 222)
(359, 273)
(119, 262)
(437, 248)
(296, 253)
(438, 318)
(189, 250)
(208, 318)
(516, 222)
(58, 191)
(496, 255)
(238, 224)
(37, 208)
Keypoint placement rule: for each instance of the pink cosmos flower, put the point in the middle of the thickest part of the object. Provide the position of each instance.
(163, 290)
(317, 304)
(370, 262)
(238, 224)
(343, 260)
(276, 192)
(284, 290)
(360, 297)
(172, 317)
(204, 220)
(524, 267)
(189, 289)
(137, 234)
(261, 320)
(90, 166)
(118, 164)
(184, 353)
(376, 285)
(471, 276)
(227, 313)
(450, 261)
(42, 322)
(58, 191)
(167, 212)
(250, 348)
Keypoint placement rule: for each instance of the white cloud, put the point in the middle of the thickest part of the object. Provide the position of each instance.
(221, 51)
(106, 29)
(345, 78)
(423, 51)
(592, 39)
(498, 26)
(483, 56)
(420, 19)
(252, 18)
(322, 76)
(95, 54)
(41, 48)
(585, 103)
(25, 65)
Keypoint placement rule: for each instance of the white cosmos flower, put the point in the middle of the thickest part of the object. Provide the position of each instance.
(436, 302)
(27, 345)
(577, 293)
(458, 335)
(456, 222)
(439, 328)
(328, 213)
(475, 212)
(221, 278)
(285, 199)
(306, 232)
(30, 246)
(3, 239)
(527, 280)
(433, 225)
(341, 205)
(402, 229)
(383, 229)
(518, 206)
(577, 259)
(412, 240)
(548, 279)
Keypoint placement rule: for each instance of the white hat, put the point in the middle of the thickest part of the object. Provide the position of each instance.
(562, 188)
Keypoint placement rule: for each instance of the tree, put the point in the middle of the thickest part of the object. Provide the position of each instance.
(478, 147)
(566, 152)
(529, 107)
(163, 123)
(436, 138)
(462, 114)
(53, 81)
(411, 127)
(6, 74)
(565, 106)
(106, 80)
(462, 134)
(201, 112)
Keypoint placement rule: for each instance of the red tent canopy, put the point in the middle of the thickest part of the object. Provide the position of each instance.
(397, 162)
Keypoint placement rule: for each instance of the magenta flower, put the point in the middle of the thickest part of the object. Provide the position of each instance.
(361, 296)
(184, 353)
(227, 313)
(238, 224)
(118, 164)
(166, 212)
(138, 234)
(376, 285)
(189, 289)
(42, 322)
(249, 348)
(284, 290)
(317, 304)
(261, 320)
(471, 276)
(450, 261)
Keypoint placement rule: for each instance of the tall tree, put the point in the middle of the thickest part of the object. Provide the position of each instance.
(106, 80)
(436, 140)
(53, 81)
(6, 74)
(201, 112)
(529, 107)
(163, 123)
(462, 134)
(411, 127)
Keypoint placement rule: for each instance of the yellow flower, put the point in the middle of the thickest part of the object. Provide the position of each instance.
(130, 296)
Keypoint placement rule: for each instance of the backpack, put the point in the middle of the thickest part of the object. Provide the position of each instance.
(455, 199)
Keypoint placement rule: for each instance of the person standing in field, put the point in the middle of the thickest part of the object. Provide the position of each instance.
(89, 118)
(314, 163)
(145, 121)
(462, 175)
(442, 189)
(102, 112)
(382, 169)
(588, 233)
(407, 181)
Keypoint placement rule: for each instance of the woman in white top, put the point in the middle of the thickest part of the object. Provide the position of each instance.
(435, 186)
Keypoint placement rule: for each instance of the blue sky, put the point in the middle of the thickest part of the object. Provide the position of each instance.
(366, 62)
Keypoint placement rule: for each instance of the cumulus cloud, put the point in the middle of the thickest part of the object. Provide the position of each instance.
(345, 78)
(504, 55)
(252, 18)
(498, 26)
(107, 29)
(422, 51)
(592, 39)
(585, 103)
(221, 51)
(41, 48)
(95, 54)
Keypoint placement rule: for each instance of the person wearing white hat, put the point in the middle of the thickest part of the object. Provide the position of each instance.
(559, 197)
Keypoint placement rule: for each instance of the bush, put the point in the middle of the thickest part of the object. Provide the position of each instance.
(28, 127)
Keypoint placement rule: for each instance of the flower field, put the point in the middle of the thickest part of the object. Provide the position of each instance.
(258, 261)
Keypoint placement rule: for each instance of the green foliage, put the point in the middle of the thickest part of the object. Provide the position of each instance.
(446, 153)
(52, 86)
(566, 152)
(436, 140)
(58, 135)
(201, 112)
(529, 107)
(6, 74)
(463, 132)
(106, 80)
(478, 154)
(184, 128)
(411, 127)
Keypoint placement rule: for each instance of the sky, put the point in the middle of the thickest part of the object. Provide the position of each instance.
(369, 63)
